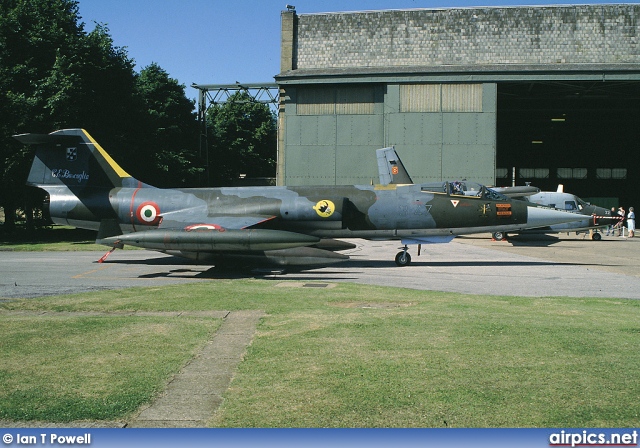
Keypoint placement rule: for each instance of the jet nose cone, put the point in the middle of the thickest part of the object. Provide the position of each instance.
(542, 217)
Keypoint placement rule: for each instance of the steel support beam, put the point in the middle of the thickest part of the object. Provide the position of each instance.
(213, 94)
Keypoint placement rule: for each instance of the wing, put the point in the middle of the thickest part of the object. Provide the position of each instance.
(194, 234)
(231, 222)
(198, 217)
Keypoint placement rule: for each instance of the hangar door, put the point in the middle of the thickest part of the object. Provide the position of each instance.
(332, 132)
(582, 134)
(444, 131)
(441, 131)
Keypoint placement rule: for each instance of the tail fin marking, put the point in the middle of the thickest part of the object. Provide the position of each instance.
(72, 158)
(112, 163)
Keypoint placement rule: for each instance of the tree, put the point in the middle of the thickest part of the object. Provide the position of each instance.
(93, 87)
(54, 75)
(170, 130)
(32, 34)
(242, 139)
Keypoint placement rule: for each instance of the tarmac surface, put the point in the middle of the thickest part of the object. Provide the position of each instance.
(571, 266)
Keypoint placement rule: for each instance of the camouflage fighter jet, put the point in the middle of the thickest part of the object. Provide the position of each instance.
(268, 225)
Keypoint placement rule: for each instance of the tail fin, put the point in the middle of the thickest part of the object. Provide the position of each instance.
(72, 158)
(390, 167)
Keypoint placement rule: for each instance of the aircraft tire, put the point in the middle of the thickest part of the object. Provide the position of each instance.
(596, 237)
(498, 236)
(403, 259)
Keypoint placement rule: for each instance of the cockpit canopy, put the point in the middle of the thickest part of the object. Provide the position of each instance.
(463, 188)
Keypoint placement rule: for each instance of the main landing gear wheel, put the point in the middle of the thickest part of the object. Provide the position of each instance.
(596, 237)
(499, 236)
(403, 258)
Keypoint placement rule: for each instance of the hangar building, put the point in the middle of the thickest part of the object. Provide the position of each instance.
(497, 95)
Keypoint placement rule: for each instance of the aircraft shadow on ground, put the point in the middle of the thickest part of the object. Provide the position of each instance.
(229, 274)
(460, 264)
(351, 269)
(157, 261)
(533, 240)
(549, 240)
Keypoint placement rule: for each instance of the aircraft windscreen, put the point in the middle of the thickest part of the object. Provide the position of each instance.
(469, 188)
(582, 204)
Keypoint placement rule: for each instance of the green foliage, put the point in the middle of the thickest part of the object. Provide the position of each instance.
(33, 33)
(55, 75)
(170, 130)
(242, 139)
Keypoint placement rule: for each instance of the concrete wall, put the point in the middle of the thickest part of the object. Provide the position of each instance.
(582, 34)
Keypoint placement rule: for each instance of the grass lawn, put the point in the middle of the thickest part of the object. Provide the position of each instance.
(349, 356)
(55, 238)
(62, 368)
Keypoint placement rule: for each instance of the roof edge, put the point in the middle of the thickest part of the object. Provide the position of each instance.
(487, 71)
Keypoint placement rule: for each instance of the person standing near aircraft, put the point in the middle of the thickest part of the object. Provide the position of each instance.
(620, 224)
(631, 222)
(611, 228)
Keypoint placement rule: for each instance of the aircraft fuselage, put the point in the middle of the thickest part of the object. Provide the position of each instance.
(331, 211)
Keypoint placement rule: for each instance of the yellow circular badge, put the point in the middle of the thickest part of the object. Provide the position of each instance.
(324, 208)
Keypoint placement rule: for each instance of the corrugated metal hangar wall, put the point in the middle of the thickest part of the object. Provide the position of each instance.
(462, 93)
(332, 131)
